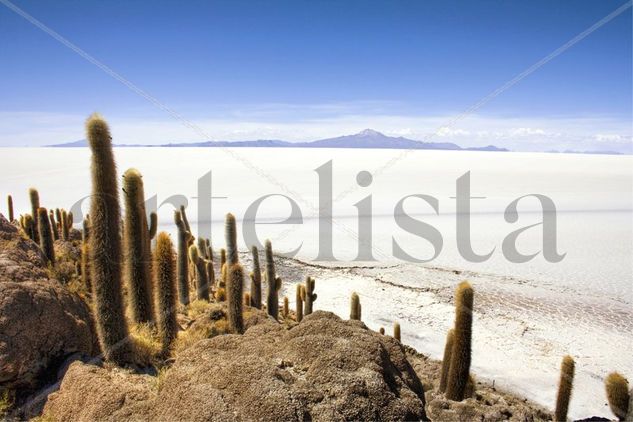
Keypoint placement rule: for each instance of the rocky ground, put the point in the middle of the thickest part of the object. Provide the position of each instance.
(324, 368)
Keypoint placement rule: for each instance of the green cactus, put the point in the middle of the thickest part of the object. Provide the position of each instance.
(210, 273)
(618, 394)
(256, 280)
(235, 296)
(222, 267)
(565, 386)
(85, 228)
(183, 265)
(299, 299)
(153, 225)
(310, 296)
(461, 354)
(396, 331)
(53, 223)
(202, 248)
(202, 281)
(26, 222)
(230, 236)
(65, 225)
(165, 290)
(136, 252)
(45, 235)
(355, 307)
(105, 245)
(285, 310)
(34, 196)
(446, 360)
(10, 207)
(274, 283)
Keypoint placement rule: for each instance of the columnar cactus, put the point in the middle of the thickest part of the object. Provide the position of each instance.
(446, 360)
(460, 356)
(381, 330)
(256, 281)
(65, 225)
(34, 196)
(53, 223)
(45, 235)
(185, 220)
(274, 283)
(234, 288)
(165, 290)
(183, 264)
(618, 394)
(136, 253)
(355, 308)
(28, 225)
(153, 225)
(396, 331)
(202, 281)
(202, 248)
(85, 228)
(85, 266)
(565, 386)
(285, 311)
(10, 207)
(105, 245)
(299, 299)
(310, 296)
(230, 236)
(247, 299)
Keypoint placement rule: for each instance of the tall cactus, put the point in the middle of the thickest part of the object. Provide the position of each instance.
(285, 310)
(461, 354)
(202, 248)
(396, 330)
(355, 308)
(618, 395)
(85, 228)
(136, 252)
(202, 281)
(185, 220)
(153, 225)
(105, 245)
(28, 226)
(256, 280)
(65, 225)
(34, 196)
(183, 265)
(53, 223)
(165, 290)
(310, 296)
(234, 289)
(299, 299)
(565, 386)
(85, 266)
(45, 235)
(274, 283)
(230, 236)
(10, 207)
(446, 360)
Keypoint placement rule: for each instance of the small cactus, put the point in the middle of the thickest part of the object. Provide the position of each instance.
(285, 312)
(45, 235)
(299, 299)
(10, 207)
(461, 354)
(202, 282)
(618, 394)
(247, 299)
(309, 296)
(65, 225)
(382, 330)
(28, 226)
(396, 331)
(53, 223)
(34, 196)
(256, 280)
(565, 386)
(222, 258)
(165, 290)
(85, 229)
(355, 308)
(105, 245)
(153, 225)
(235, 297)
(274, 283)
(446, 360)
(85, 266)
(183, 264)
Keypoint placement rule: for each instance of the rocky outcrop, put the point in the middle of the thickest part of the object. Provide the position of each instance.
(321, 369)
(20, 258)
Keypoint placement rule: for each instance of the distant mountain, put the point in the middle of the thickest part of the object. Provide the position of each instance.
(368, 138)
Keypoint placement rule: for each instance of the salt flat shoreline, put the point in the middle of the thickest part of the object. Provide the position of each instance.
(521, 328)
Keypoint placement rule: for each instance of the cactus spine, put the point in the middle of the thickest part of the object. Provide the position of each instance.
(136, 256)
(564, 388)
(460, 355)
(183, 264)
(299, 299)
(34, 196)
(10, 207)
(256, 280)
(446, 360)
(618, 394)
(274, 283)
(235, 288)
(355, 308)
(105, 245)
(45, 235)
(396, 331)
(165, 290)
(202, 282)
(309, 296)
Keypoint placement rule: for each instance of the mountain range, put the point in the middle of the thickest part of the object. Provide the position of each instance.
(367, 138)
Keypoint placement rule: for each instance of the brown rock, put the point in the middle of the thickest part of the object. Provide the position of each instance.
(21, 259)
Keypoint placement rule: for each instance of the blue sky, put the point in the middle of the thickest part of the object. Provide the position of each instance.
(299, 70)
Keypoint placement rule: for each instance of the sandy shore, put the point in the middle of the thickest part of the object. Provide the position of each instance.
(522, 329)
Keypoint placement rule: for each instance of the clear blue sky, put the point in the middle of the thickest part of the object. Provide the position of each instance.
(275, 67)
